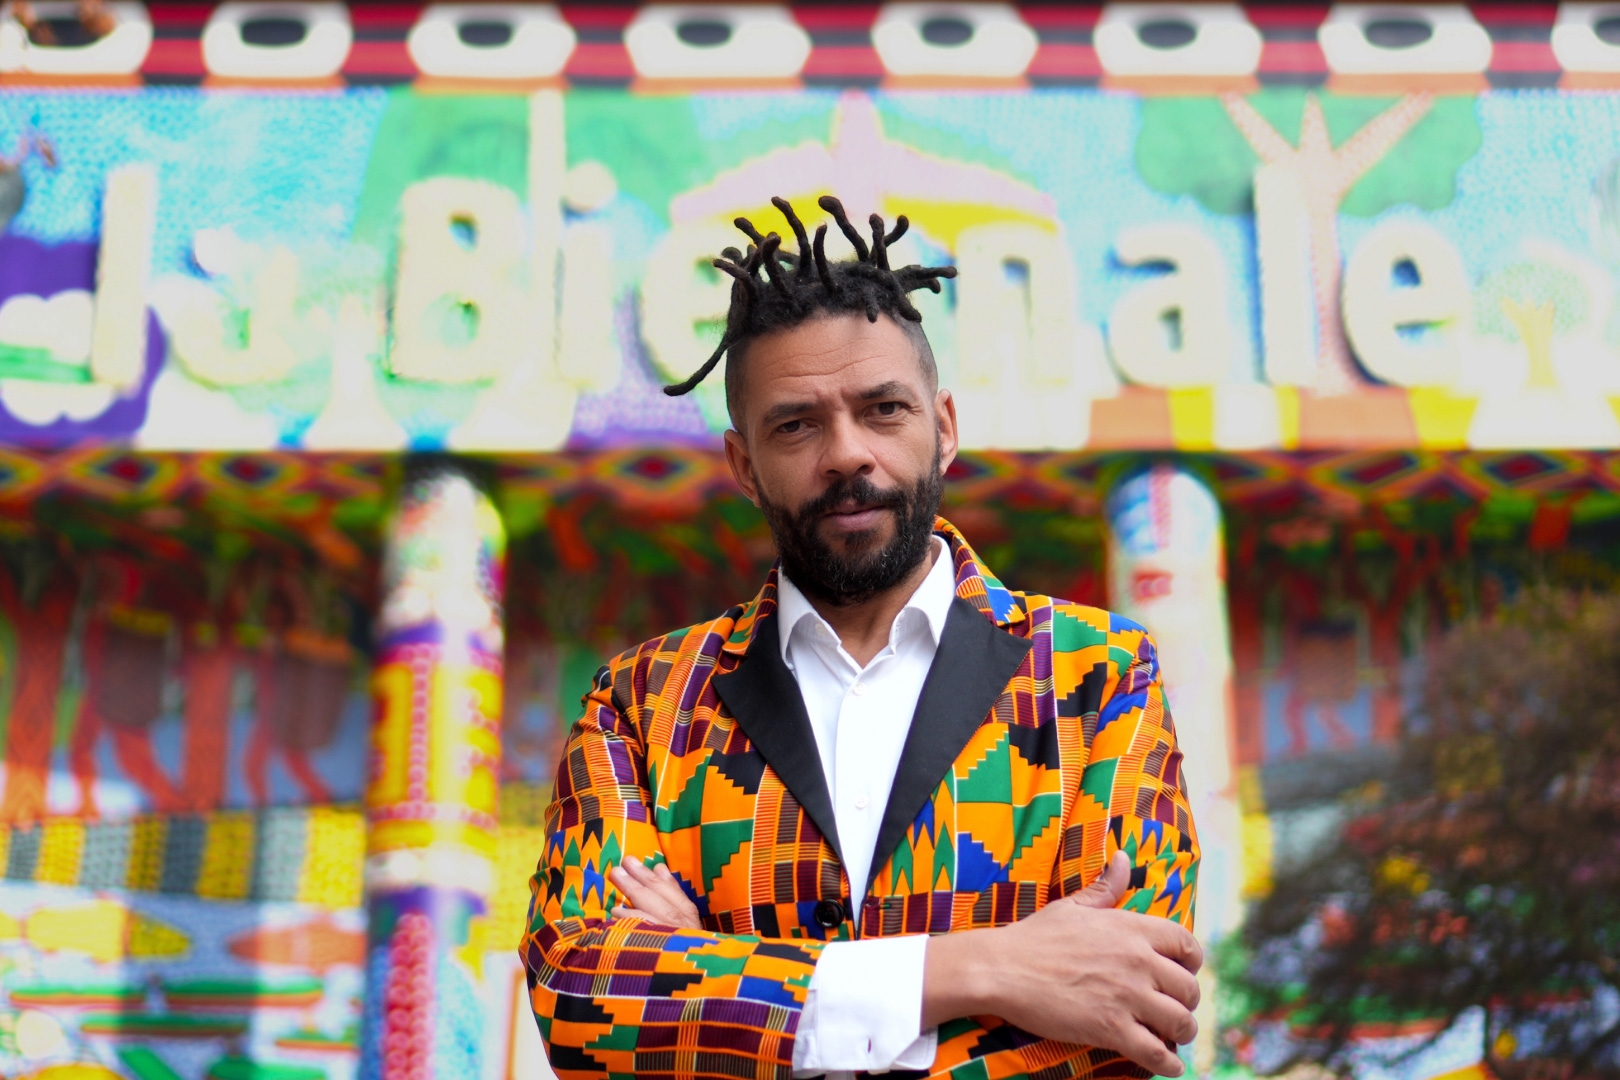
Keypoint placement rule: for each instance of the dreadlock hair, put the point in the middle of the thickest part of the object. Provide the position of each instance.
(773, 290)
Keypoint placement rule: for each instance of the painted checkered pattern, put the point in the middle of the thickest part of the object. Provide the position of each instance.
(1075, 760)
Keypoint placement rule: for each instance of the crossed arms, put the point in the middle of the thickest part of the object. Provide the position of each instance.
(1094, 984)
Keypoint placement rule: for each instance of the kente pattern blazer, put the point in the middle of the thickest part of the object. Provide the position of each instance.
(1041, 744)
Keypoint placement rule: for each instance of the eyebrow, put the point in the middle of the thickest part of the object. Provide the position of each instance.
(891, 389)
(789, 409)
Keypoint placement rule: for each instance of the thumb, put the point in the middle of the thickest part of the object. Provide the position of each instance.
(1110, 885)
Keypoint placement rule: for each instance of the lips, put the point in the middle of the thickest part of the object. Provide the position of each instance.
(856, 518)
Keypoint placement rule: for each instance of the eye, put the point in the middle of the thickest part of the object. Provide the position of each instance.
(887, 408)
(792, 427)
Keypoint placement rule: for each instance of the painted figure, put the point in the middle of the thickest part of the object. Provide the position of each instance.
(889, 813)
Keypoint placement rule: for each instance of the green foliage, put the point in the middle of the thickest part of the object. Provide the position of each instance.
(1480, 874)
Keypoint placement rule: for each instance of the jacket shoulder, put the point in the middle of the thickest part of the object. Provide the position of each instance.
(1076, 626)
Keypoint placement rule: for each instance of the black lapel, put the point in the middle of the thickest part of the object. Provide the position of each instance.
(764, 698)
(972, 666)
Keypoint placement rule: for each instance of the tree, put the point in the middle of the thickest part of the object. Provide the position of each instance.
(1345, 158)
(1483, 878)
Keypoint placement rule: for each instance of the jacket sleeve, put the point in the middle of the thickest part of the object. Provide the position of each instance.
(1131, 797)
(628, 997)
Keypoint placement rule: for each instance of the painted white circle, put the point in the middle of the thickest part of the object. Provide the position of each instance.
(38, 1035)
(589, 186)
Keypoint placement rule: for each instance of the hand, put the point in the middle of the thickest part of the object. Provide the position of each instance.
(652, 894)
(1079, 970)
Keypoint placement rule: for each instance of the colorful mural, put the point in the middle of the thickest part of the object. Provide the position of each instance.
(374, 269)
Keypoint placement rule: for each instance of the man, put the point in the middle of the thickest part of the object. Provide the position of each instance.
(888, 814)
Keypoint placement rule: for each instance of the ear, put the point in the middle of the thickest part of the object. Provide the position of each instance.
(742, 464)
(945, 417)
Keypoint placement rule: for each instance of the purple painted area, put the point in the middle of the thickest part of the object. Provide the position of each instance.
(28, 266)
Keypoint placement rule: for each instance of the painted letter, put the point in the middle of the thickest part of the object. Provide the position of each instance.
(462, 309)
(1172, 332)
(118, 342)
(1287, 303)
(1376, 309)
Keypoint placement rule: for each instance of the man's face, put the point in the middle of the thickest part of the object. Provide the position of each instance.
(843, 444)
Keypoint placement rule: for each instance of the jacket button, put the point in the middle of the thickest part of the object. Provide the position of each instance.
(829, 913)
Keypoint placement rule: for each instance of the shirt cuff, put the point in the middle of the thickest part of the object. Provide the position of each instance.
(863, 1011)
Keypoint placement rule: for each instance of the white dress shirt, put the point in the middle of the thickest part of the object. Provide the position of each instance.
(864, 1008)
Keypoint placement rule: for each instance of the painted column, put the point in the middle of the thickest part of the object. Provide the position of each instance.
(1167, 571)
(435, 760)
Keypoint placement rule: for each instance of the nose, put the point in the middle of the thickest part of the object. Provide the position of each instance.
(846, 452)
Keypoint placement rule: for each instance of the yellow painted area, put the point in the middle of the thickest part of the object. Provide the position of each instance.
(1288, 416)
(1257, 855)
(10, 928)
(391, 687)
(61, 848)
(147, 839)
(466, 706)
(76, 1071)
(227, 859)
(944, 221)
(1257, 835)
(1476, 1071)
(1441, 417)
(333, 857)
(1192, 418)
(517, 851)
(104, 930)
(150, 939)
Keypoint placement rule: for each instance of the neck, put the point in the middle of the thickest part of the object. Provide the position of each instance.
(863, 628)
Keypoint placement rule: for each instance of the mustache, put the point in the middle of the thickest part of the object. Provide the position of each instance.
(856, 489)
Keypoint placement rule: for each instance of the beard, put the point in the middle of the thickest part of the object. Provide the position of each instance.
(858, 567)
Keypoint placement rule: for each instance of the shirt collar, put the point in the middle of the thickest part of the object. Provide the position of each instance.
(933, 599)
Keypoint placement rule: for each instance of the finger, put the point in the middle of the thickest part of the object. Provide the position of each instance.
(1167, 1018)
(621, 912)
(1110, 885)
(636, 869)
(1149, 1051)
(1174, 942)
(1175, 981)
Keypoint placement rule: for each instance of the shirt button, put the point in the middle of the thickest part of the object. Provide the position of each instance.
(858, 689)
(860, 802)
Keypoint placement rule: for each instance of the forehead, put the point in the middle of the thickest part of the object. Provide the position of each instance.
(829, 357)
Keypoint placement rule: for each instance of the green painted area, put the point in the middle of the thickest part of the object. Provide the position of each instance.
(656, 148)
(242, 987)
(38, 365)
(241, 1068)
(901, 126)
(61, 992)
(475, 136)
(1140, 902)
(1070, 634)
(1190, 146)
(162, 1025)
(989, 781)
(145, 1064)
(1530, 284)
(1098, 780)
